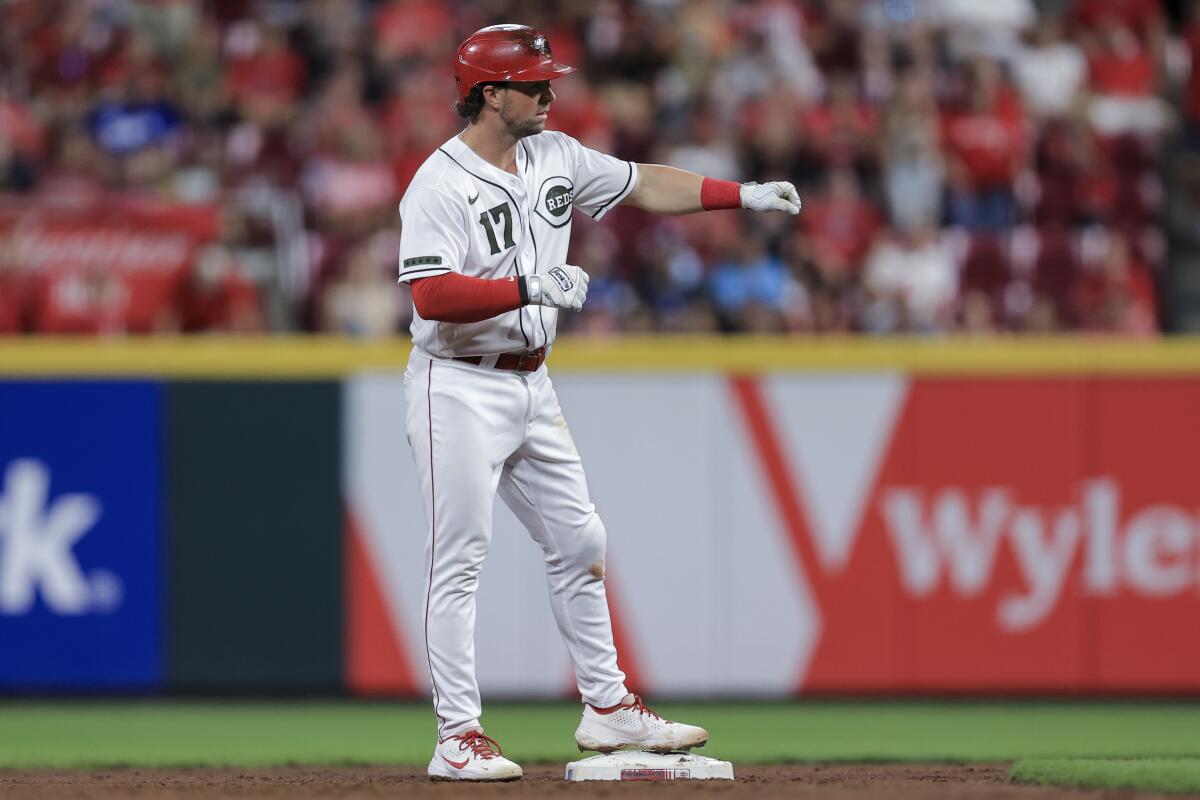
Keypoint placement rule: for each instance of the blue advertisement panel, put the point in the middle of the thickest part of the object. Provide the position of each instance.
(81, 578)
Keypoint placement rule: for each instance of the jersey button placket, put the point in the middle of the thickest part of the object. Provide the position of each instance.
(526, 254)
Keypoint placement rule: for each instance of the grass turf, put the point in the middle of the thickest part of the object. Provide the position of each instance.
(97, 734)
(1174, 775)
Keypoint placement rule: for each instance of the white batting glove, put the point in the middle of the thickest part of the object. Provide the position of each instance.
(773, 196)
(558, 287)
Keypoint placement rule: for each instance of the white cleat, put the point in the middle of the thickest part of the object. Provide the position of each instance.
(471, 757)
(632, 726)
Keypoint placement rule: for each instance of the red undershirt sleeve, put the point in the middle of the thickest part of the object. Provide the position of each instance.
(454, 297)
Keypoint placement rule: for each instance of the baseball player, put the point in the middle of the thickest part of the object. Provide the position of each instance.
(486, 224)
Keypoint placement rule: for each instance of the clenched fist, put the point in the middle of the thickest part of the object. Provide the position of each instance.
(773, 196)
(564, 286)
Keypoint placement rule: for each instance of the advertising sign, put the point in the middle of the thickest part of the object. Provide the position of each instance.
(109, 267)
(825, 532)
(80, 536)
(1009, 534)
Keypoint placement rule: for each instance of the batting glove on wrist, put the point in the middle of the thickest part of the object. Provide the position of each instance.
(564, 286)
(773, 196)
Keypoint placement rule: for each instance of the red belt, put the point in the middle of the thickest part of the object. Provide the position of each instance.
(521, 362)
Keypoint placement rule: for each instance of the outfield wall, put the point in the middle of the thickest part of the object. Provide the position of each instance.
(783, 516)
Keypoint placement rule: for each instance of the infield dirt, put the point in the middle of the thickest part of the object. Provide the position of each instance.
(835, 781)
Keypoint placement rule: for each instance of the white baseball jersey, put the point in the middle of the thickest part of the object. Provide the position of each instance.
(462, 214)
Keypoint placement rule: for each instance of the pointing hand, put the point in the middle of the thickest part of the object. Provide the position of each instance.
(773, 196)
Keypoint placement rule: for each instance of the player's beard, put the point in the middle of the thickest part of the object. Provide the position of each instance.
(519, 128)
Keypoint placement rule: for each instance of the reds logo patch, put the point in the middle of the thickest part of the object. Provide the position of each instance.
(554, 201)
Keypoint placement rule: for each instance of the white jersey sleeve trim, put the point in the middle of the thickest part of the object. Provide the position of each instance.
(413, 274)
(621, 195)
(601, 181)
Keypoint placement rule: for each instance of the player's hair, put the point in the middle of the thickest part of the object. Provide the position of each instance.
(471, 106)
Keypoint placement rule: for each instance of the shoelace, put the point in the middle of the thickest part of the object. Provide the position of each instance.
(483, 746)
(641, 707)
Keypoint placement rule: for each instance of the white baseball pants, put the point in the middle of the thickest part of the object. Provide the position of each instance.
(475, 431)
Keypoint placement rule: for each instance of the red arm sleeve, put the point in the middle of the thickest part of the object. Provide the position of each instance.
(452, 297)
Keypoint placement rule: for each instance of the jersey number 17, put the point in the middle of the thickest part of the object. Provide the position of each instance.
(496, 213)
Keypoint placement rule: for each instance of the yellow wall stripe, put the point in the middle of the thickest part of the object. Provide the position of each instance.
(331, 357)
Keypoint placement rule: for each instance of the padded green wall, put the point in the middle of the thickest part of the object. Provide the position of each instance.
(254, 536)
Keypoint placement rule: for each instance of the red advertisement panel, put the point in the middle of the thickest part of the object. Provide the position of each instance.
(1021, 535)
(109, 268)
(1144, 580)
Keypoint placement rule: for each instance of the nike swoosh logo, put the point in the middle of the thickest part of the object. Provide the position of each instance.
(643, 732)
(457, 764)
(471, 200)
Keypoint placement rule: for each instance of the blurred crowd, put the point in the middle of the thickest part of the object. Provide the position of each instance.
(965, 165)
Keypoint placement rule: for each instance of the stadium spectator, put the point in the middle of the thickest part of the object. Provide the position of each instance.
(991, 28)
(838, 227)
(1191, 94)
(912, 161)
(1124, 79)
(1050, 71)
(784, 29)
(842, 131)
(985, 138)
(749, 286)
(265, 76)
(22, 144)
(77, 173)
(837, 39)
(406, 30)
(198, 81)
(985, 269)
(1118, 296)
(913, 279)
(362, 301)
(137, 127)
(978, 314)
(12, 297)
(214, 297)
(1145, 18)
(707, 151)
(16, 171)
(350, 187)
(1056, 278)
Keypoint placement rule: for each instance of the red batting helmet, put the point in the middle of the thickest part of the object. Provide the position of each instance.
(504, 53)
